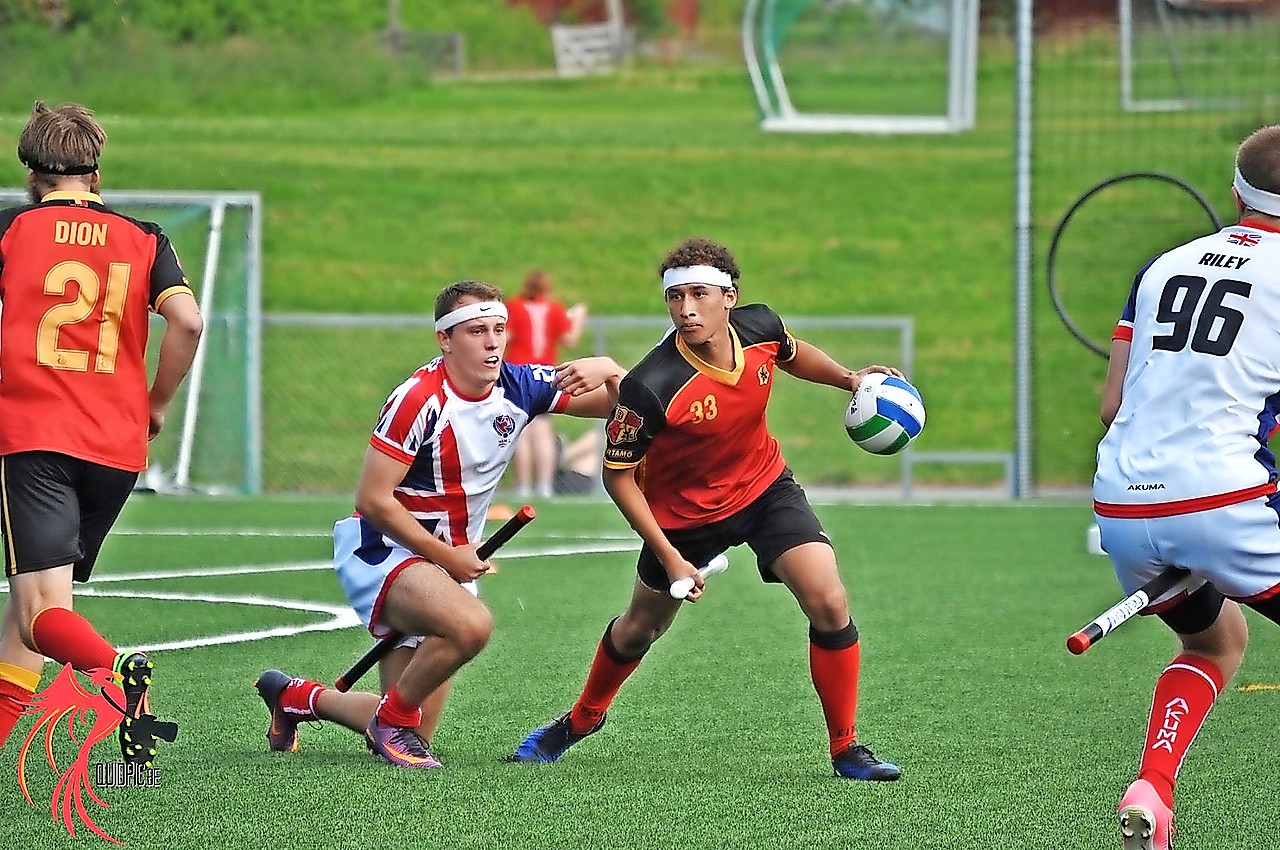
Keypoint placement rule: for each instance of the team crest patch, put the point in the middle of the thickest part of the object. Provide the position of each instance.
(763, 375)
(625, 425)
(505, 425)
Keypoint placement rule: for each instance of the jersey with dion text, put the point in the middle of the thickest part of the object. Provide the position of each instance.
(76, 282)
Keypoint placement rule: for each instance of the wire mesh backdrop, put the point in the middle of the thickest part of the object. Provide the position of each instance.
(1136, 119)
(326, 376)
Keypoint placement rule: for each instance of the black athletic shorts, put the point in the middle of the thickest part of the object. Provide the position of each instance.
(56, 509)
(779, 520)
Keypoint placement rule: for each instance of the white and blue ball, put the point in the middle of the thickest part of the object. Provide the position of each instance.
(885, 415)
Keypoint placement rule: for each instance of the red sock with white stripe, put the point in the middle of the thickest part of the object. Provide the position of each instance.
(394, 711)
(298, 699)
(1184, 693)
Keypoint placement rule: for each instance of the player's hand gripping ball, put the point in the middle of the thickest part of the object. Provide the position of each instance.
(885, 415)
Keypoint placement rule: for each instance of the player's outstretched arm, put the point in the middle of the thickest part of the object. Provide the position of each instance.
(183, 326)
(593, 384)
(813, 364)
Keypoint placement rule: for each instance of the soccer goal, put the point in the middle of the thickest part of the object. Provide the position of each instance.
(863, 66)
(1199, 54)
(212, 442)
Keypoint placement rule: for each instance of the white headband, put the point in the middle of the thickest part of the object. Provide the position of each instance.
(474, 310)
(709, 275)
(1255, 198)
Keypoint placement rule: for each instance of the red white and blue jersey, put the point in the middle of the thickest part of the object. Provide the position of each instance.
(1202, 388)
(457, 447)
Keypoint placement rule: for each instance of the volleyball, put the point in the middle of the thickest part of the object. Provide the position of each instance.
(885, 415)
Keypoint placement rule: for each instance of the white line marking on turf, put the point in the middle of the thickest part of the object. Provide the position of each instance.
(305, 566)
(304, 533)
(340, 616)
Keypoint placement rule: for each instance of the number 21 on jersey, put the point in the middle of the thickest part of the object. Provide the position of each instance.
(48, 351)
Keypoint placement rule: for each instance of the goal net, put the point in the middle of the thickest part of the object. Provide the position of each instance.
(863, 66)
(1200, 54)
(211, 442)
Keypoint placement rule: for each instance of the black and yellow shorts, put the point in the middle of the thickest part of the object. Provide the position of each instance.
(56, 509)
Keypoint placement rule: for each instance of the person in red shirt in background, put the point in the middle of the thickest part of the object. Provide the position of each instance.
(77, 282)
(537, 325)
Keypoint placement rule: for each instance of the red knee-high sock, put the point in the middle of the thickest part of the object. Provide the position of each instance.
(299, 698)
(394, 711)
(17, 685)
(1184, 694)
(834, 658)
(68, 638)
(609, 669)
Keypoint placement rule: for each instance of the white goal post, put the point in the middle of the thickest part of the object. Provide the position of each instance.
(845, 28)
(216, 446)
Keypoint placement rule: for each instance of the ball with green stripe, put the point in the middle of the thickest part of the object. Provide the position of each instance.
(885, 415)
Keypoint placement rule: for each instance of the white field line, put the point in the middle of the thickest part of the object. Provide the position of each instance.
(299, 533)
(339, 616)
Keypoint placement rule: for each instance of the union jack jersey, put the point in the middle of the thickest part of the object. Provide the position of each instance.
(458, 447)
(1202, 388)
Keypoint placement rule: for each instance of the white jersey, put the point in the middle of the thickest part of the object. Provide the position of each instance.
(1202, 388)
(457, 448)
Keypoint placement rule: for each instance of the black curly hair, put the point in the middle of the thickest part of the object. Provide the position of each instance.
(697, 251)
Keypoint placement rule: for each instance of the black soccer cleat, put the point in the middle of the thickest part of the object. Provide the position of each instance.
(547, 743)
(858, 762)
(137, 737)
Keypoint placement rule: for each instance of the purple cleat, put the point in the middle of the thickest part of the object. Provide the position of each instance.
(399, 745)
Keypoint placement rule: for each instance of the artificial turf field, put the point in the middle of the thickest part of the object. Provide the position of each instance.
(1006, 741)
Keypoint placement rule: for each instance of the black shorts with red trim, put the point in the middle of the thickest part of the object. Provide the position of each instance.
(779, 520)
(56, 509)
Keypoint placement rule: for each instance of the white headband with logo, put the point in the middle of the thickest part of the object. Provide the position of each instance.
(1255, 198)
(474, 310)
(709, 275)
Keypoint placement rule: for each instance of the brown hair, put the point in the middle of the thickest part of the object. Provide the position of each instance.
(536, 282)
(1258, 159)
(62, 141)
(449, 297)
(698, 251)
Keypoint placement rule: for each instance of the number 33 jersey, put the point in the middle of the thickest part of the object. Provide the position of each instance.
(697, 432)
(1202, 388)
(76, 284)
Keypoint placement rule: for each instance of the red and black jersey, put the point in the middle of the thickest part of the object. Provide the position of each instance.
(77, 281)
(698, 432)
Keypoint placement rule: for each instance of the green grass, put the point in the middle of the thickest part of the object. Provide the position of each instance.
(717, 741)
(380, 186)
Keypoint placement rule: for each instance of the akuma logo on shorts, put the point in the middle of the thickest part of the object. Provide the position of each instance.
(1156, 486)
(66, 698)
(625, 425)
